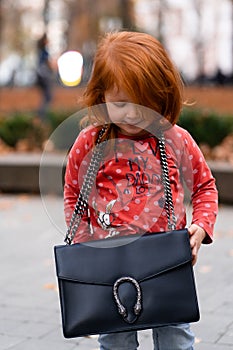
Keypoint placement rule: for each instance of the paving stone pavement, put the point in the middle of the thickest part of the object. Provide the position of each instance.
(29, 309)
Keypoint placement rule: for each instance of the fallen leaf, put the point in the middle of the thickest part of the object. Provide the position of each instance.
(205, 268)
(231, 252)
(48, 262)
(23, 197)
(6, 205)
(197, 340)
(51, 286)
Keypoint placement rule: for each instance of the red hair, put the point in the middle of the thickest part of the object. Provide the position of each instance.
(138, 64)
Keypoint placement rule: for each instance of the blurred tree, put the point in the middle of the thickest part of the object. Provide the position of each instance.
(88, 19)
(162, 8)
(126, 13)
(199, 45)
(83, 23)
(12, 40)
(46, 13)
(84, 17)
(17, 23)
(1, 23)
(232, 36)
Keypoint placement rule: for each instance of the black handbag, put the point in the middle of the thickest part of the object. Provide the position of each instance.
(125, 283)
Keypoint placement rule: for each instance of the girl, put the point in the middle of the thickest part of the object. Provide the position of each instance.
(135, 91)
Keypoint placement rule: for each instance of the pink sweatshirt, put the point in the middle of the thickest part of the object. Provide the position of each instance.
(128, 196)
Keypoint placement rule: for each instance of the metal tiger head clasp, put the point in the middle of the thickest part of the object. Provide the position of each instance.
(121, 308)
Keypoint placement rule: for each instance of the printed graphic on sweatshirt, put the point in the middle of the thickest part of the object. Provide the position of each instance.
(130, 178)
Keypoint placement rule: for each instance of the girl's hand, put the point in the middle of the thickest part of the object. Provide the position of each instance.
(197, 234)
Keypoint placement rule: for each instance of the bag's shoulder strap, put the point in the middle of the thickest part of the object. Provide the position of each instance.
(87, 185)
(169, 206)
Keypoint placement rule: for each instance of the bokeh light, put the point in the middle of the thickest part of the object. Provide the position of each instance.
(70, 68)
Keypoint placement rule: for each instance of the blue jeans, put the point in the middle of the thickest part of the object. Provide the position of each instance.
(172, 337)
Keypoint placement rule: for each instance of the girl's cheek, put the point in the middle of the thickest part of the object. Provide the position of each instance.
(115, 116)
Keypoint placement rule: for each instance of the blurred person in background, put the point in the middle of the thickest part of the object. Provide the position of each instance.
(44, 76)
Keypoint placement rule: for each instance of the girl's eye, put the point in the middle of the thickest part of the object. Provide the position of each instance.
(119, 104)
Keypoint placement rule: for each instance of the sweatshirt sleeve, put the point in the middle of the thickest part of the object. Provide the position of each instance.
(201, 184)
(75, 171)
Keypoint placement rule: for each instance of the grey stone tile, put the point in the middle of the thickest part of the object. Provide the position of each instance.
(38, 344)
(210, 346)
(211, 327)
(7, 342)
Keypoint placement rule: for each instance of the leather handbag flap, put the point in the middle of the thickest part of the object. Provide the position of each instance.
(144, 255)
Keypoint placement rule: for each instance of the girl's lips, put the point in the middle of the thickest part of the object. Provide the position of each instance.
(130, 126)
(133, 123)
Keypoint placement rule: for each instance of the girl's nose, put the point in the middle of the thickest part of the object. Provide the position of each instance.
(132, 115)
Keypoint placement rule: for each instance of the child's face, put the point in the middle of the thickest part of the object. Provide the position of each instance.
(129, 117)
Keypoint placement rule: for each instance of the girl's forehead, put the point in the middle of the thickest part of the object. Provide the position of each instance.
(116, 94)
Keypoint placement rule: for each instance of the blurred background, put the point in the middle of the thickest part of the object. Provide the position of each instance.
(198, 34)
